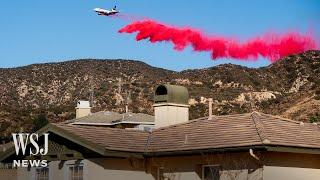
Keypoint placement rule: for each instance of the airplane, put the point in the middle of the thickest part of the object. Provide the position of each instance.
(105, 12)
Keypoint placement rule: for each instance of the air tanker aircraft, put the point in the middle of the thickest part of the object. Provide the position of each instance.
(105, 12)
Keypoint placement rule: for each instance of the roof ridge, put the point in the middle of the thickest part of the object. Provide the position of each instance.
(102, 127)
(201, 118)
(183, 123)
(91, 114)
(259, 127)
(283, 119)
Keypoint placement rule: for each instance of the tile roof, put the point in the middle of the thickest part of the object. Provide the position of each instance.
(109, 138)
(220, 132)
(4, 147)
(285, 132)
(229, 131)
(111, 118)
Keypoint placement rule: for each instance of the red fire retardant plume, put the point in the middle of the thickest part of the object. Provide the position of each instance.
(271, 46)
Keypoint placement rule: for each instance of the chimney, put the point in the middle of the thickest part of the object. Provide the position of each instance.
(83, 109)
(170, 105)
(127, 109)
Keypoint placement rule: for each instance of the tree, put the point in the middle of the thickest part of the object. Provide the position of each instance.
(39, 122)
(315, 118)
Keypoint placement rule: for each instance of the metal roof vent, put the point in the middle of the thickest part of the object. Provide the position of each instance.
(171, 94)
(170, 105)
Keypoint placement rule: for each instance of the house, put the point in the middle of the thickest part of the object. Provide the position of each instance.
(253, 146)
(112, 119)
(6, 169)
(116, 120)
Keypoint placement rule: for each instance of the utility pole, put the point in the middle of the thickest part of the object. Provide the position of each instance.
(92, 97)
(210, 108)
(119, 85)
(128, 100)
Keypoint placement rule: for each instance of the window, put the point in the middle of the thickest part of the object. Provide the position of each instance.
(7, 166)
(160, 173)
(42, 173)
(210, 172)
(76, 172)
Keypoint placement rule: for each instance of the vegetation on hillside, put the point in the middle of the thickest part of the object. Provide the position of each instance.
(289, 88)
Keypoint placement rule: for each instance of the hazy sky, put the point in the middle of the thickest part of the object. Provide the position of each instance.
(38, 31)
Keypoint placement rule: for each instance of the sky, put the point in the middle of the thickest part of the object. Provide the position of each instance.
(40, 31)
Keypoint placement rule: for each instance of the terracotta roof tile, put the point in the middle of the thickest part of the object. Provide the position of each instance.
(230, 131)
(220, 132)
(110, 138)
(280, 131)
(111, 118)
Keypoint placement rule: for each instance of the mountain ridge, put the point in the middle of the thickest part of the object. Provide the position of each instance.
(289, 88)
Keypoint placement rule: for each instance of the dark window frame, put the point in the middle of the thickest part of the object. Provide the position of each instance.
(216, 172)
(42, 173)
(75, 172)
(160, 173)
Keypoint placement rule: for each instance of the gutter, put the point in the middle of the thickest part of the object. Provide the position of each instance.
(293, 149)
(201, 151)
(251, 150)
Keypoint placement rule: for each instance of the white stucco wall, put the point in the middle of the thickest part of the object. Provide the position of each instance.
(96, 172)
(8, 174)
(91, 171)
(224, 175)
(169, 114)
(290, 173)
(113, 169)
(23, 174)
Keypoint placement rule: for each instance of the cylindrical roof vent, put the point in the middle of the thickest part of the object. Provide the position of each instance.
(171, 94)
(170, 105)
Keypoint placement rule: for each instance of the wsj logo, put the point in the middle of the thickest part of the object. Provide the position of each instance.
(21, 141)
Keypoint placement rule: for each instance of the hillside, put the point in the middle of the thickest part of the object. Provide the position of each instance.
(289, 88)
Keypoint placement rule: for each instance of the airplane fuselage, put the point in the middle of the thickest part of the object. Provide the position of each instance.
(104, 12)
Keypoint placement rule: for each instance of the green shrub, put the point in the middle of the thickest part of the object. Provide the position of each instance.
(39, 122)
(315, 118)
